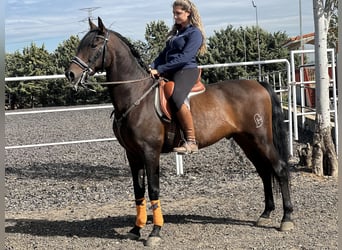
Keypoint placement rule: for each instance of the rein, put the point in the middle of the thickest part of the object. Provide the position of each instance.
(118, 82)
(136, 103)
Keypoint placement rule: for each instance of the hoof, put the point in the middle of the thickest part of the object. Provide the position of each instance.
(286, 226)
(132, 236)
(152, 241)
(263, 222)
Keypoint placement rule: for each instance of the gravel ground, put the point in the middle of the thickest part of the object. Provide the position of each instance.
(80, 196)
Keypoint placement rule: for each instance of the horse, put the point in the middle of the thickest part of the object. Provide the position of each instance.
(248, 111)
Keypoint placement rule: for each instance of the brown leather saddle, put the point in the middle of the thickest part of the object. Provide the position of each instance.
(165, 90)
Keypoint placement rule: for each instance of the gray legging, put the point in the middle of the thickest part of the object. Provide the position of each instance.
(184, 80)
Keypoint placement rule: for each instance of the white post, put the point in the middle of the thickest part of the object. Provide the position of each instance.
(179, 163)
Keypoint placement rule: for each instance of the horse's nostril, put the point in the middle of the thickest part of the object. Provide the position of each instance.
(70, 75)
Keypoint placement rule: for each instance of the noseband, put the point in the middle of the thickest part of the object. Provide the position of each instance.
(87, 68)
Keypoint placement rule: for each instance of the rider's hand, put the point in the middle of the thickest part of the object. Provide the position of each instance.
(154, 72)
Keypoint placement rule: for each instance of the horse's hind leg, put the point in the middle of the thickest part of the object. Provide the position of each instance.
(279, 170)
(266, 177)
(282, 174)
(266, 160)
(265, 172)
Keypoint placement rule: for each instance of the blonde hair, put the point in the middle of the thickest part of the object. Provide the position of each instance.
(195, 20)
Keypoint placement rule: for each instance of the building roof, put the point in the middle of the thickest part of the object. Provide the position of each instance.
(295, 42)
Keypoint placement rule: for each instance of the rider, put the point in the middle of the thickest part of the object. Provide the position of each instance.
(177, 62)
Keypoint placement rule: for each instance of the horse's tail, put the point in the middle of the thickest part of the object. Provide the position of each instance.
(280, 136)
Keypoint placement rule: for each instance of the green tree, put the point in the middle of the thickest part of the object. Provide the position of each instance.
(143, 50)
(333, 29)
(155, 35)
(65, 52)
(239, 45)
(61, 92)
(33, 61)
(12, 69)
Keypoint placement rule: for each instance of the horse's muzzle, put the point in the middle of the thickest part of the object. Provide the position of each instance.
(70, 75)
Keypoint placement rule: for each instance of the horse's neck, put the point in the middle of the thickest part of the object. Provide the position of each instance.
(125, 74)
(126, 94)
(125, 67)
(124, 71)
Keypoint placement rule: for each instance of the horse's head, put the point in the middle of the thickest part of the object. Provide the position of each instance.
(91, 54)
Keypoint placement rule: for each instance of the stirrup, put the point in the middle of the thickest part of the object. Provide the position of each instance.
(188, 147)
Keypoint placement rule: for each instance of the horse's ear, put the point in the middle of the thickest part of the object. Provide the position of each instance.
(92, 25)
(102, 28)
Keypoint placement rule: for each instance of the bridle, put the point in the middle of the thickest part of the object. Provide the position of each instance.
(87, 68)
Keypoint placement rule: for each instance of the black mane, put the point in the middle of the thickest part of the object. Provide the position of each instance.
(87, 39)
(133, 50)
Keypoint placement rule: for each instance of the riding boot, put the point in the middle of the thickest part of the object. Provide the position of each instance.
(185, 119)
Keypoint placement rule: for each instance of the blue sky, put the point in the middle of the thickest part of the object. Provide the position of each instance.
(52, 22)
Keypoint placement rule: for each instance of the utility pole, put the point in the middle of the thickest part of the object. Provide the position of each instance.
(257, 27)
(90, 16)
(301, 31)
(90, 13)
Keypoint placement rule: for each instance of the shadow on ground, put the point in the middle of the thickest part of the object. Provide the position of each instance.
(104, 227)
(69, 171)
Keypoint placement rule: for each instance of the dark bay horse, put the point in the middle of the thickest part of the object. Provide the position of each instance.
(245, 110)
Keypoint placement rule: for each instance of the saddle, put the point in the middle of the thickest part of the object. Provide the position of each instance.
(165, 90)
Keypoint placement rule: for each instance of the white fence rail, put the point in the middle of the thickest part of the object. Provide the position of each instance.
(30, 112)
(59, 143)
(56, 110)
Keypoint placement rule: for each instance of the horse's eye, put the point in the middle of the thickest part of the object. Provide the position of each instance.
(93, 45)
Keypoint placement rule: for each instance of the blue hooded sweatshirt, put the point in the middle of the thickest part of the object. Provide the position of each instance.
(180, 51)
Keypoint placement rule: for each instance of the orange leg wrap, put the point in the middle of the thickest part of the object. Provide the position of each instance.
(141, 218)
(158, 219)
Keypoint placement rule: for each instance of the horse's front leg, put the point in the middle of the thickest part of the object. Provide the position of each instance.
(138, 176)
(150, 167)
(152, 170)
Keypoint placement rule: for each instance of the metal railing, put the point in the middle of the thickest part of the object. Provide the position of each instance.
(304, 111)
